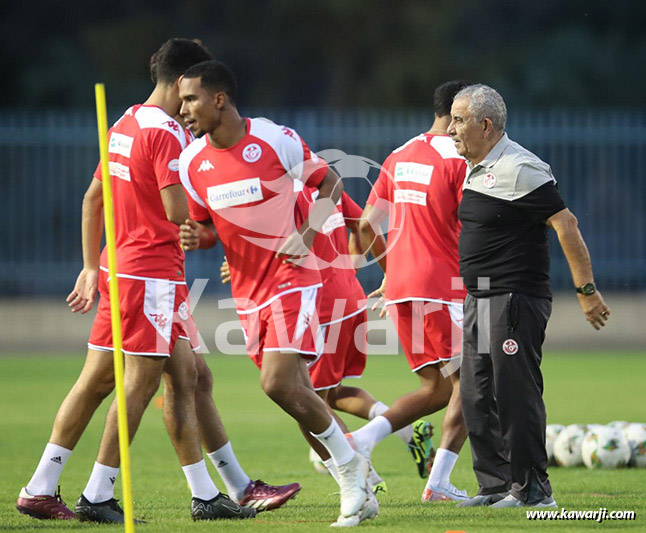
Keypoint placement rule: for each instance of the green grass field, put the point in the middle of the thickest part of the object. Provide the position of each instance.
(579, 388)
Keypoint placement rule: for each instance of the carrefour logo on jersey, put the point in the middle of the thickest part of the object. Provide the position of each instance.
(235, 193)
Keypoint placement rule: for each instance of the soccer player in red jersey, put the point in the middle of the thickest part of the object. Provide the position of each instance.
(144, 147)
(248, 493)
(240, 179)
(342, 317)
(419, 188)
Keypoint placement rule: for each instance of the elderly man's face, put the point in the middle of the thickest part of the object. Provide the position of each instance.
(467, 134)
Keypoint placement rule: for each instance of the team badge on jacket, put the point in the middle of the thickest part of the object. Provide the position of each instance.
(251, 153)
(489, 180)
(510, 347)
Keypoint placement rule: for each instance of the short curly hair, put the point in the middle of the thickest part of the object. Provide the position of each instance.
(485, 102)
(174, 57)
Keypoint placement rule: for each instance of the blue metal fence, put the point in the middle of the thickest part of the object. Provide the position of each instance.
(599, 159)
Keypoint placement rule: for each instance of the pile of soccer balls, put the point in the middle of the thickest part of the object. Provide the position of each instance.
(615, 445)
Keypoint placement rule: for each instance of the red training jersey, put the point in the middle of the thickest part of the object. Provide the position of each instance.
(420, 187)
(247, 190)
(342, 295)
(144, 147)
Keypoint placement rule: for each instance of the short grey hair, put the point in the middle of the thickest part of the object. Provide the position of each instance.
(485, 102)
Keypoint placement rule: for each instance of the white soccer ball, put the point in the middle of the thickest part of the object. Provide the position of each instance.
(567, 446)
(605, 447)
(317, 462)
(551, 432)
(636, 436)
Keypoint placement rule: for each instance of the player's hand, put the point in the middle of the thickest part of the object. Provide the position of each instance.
(381, 302)
(84, 293)
(595, 309)
(295, 249)
(225, 273)
(189, 235)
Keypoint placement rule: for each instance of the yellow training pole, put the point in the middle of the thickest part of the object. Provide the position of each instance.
(122, 416)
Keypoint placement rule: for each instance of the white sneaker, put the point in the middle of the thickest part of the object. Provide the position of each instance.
(355, 489)
(512, 501)
(377, 483)
(443, 493)
(368, 510)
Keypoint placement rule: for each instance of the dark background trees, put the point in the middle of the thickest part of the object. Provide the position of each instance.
(337, 53)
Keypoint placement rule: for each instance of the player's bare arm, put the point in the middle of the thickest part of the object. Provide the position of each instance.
(175, 204)
(84, 293)
(576, 252)
(354, 245)
(194, 235)
(374, 241)
(371, 238)
(300, 243)
(225, 272)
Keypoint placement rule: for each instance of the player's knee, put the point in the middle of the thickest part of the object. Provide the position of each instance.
(96, 386)
(182, 383)
(435, 384)
(141, 386)
(279, 392)
(104, 386)
(330, 396)
(204, 381)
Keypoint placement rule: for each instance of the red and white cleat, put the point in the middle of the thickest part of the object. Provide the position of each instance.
(262, 497)
(443, 494)
(44, 507)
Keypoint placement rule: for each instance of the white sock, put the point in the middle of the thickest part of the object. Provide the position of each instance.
(199, 481)
(329, 464)
(373, 432)
(48, 471)
(336, 443)
(442, 468)
(234, 477)
(379, 408)
(100, 486)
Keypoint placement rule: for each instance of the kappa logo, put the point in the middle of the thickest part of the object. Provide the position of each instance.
(289, 132)
(489, 180)
(172, 125)
(307, 318)
(160, 320)
(205, 165)
(251, 153)
(112, 480)
(510, 347)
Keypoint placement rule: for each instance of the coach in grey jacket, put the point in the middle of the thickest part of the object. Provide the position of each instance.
(510, 198)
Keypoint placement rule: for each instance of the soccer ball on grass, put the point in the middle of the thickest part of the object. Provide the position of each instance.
(551, 432)
(636, 436)
(605, 447)
(567, 446)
